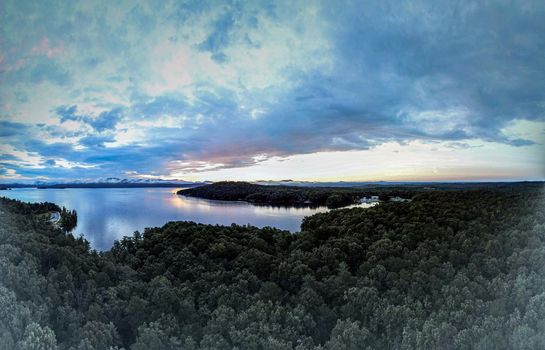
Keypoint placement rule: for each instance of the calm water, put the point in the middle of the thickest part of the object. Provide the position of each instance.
(107, 214)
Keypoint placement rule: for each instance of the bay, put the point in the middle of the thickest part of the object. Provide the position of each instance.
(108, 214)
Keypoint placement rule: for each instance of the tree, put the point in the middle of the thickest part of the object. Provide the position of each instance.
(37, 338)
(349, 335)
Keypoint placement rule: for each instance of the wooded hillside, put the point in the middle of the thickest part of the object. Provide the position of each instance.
(450, 270)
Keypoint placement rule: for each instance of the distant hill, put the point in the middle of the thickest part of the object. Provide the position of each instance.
(108, 182)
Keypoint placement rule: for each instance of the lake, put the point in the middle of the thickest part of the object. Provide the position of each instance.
(108, 214)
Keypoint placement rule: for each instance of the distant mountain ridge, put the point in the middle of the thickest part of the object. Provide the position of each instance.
(105, 182)
(111, 180)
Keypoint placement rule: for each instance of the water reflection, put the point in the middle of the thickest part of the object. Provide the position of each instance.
(105, 215)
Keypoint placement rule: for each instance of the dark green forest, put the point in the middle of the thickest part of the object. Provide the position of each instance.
(332, 197)
(453, 269)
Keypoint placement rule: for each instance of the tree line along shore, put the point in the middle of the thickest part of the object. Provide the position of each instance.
(332, 197)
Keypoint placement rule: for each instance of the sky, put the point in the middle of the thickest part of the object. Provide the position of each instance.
(269, 90)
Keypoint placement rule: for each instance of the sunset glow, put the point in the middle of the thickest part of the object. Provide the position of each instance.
(396, 91)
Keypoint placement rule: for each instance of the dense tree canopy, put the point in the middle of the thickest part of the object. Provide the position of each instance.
(332, 197)
(453, 269)
(69, 219)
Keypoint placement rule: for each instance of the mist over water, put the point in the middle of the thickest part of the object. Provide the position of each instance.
(108, 214)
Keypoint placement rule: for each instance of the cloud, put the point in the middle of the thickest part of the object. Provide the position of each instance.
(106, 120)
(44, 149)
(37, 70)
(443, 57)
(160, 106)
(218, 39)
(45, 48)
(95, 140)
(9, 129)
(68, 113)
(9, 173)
(520, 142)
(187, 86)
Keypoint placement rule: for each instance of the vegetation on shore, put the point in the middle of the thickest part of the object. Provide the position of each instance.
(449, 270)
(332, 197)
(69, 219)
(42, 212)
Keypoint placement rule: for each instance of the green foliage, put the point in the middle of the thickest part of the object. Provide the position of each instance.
(26, 208)
(69, 219)
(332, 197)
(350, 336)
(453, 269)
(98, 335)
(37, 338)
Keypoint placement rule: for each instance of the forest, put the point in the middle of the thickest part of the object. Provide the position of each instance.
(332, 197)
(452, 269)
